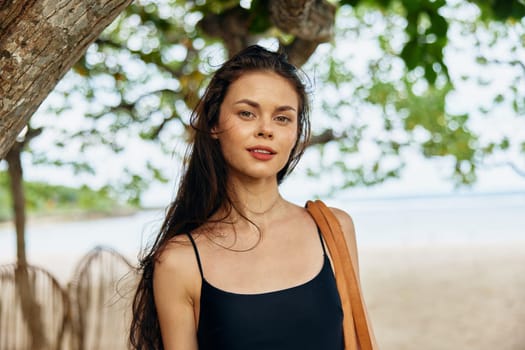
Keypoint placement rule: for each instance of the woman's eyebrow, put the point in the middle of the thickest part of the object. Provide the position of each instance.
(256, 105)
(285, 108)
(248, 102)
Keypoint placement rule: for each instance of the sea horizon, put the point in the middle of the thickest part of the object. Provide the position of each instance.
(410, 219)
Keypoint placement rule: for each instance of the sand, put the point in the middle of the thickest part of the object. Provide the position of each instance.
(431, 297)
(444, 297)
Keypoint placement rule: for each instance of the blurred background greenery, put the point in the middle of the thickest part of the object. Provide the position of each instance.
(388, 76)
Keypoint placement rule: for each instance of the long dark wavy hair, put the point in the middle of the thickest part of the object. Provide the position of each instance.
(202, 190)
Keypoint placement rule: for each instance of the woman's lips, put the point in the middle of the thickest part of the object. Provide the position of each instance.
(262, 153)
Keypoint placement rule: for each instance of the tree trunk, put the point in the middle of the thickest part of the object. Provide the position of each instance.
(31, 311)
(14, 163)
(39, 41)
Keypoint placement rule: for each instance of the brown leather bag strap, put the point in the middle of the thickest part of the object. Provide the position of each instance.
(341, 279)
(357, 333)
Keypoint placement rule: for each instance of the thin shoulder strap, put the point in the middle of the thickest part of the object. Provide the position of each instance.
(196, 254)
(321, 239)
(320, 236)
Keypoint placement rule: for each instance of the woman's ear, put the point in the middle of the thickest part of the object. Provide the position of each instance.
(215, 133)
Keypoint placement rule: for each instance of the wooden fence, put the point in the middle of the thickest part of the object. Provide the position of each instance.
(92, 312)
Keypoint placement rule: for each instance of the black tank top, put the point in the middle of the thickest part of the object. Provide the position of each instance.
(307, 317)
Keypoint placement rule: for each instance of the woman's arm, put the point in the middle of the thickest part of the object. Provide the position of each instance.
(347, 225)
(174, 286)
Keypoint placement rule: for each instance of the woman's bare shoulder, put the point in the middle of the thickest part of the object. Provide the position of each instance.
(176, 251)
(177, 262)
(176, 284)
(347, 226)
(346, 221)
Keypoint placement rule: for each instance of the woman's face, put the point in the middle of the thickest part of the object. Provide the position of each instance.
(257, 125)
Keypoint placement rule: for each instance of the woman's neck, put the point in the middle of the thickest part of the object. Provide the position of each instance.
(255, 205)
(255, 199)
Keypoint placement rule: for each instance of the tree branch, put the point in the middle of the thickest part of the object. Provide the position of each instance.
(510, 63)
(299, 51)
(158, 63)
(517, 170)
(232, 26)
(325, 137)
(32, 133)
(154, 133)
(311, 20)
(511, 164)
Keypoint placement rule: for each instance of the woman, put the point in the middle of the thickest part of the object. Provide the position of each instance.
(235, 265)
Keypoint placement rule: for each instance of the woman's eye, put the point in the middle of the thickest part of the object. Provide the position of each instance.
(283, 119)
(246, 114)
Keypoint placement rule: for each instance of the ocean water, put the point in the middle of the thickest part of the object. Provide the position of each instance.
(439, 219)
(379, 221)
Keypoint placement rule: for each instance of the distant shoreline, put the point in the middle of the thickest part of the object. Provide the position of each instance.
(435, 195)
(76, 215)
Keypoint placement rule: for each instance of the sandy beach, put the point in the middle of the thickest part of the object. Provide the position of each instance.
(437, 274)
(432, 297)
(441, 297)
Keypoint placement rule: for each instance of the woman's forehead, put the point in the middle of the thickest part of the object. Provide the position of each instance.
(263, 86)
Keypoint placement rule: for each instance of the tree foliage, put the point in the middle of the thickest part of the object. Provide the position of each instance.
(146, 71)
(43, 198)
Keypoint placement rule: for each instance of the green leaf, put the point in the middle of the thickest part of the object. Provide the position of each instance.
(481, 60)
(430, 74)
(439, 25)
(504, 144)
(260, 17)
(412, 5)
(411, 54)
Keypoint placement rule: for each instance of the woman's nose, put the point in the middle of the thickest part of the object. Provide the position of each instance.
(264, 129)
